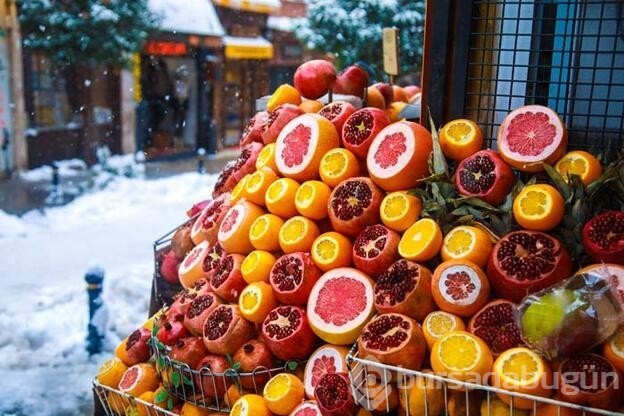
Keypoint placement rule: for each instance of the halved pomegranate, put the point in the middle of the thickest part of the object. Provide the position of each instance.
(246, 161)
(603, 237)
(328, 358)
(227, 281)
(212, 261)
(353, 204)
(278, 118)
(198, 311)
(523, 262)
(292, 277)
(333, 395)
(484, 175)
(496, 324)
(226, 330)
(405, 288)
(136, 346)
(225, 181)
(337, 112)
(206, 226)
(287, 333)
(359, 130)
(375, 248)
(182, 300)
(253, 129)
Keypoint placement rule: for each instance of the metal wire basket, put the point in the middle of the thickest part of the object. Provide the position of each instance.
(114, 402)
(469, 397)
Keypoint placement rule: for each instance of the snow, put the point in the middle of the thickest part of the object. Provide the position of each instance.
(257, 41)
(189, 16)
(45, 369)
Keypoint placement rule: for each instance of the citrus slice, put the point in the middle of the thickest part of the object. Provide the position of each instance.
(421, 241)
(337, 165)
(191, 269)
(138, 379)
(297, 234)
(311, 106)
(284, 94)
(460, 138)
(460, 287)
(257, 184)
(461, 356)
(311, 199)
(257, 266)
(439, 323)
(465, 242)
(233, 232)
(327, 358)
(524, 371)
(399, 210)
(538, 207)
(340, 305)
(250, 405)
(307, 408)
(280, 197)
(110, 372)
(256, 300)
(264, 230)
(266, 157)
(613, 349)
(331, 250)
(239, 192)
(283, 392)
(581, 163)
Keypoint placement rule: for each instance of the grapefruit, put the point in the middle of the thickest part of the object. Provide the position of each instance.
(327, 358)
(340, 304)
(301, 145)
(234, 230)
(307, 408)
(530, 136)
(191, 268)
(138, 379)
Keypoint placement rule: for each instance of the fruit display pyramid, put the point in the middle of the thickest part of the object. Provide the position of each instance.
(343, 232)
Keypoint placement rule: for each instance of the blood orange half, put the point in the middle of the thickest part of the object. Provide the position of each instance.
(233, 232)
(340, 304)
(460, 287)
(191, 268)
(327, 358)
(530, 136)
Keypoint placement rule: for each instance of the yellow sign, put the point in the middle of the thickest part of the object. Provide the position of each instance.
(136, 77)
(256, 6)
(391, 50)
(242, 51)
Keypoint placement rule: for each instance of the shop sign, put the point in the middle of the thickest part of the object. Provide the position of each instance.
(165, 48)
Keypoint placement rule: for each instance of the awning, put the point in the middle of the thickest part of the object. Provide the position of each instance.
(247, 48)
(195, 17)
(257, 6)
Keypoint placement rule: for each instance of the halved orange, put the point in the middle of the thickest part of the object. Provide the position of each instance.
(538, 207)
(521, 370)
(613, 349)
(283, 392)
(581, 163)
(263, 232)
(421, 241)
(280, 197)
(256, 267)
(110, 372)
(331, 250)
(337, 165)
(138, 379)
(465, 242)
(460, 138)
(311, 199)
(462, 356)
(297, 234)
(239, 192)
(266, 157)
(258, 183)
(439, 323)
(250, 405)
(256, 300)
(399, 210)
(284, 94)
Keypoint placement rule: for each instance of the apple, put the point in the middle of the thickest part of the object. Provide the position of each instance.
(314, 78)
(351, 81)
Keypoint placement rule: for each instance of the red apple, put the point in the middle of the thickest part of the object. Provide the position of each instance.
(352, 80)
(314, 78)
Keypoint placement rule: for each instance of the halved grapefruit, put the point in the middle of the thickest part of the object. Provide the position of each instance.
(340, 304)
(234, 230)
(327, 358)
(302, 143)
(530, 136)
(307, 408)
(192, 267)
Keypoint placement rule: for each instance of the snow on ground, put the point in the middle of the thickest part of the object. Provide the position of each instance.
(44, 367)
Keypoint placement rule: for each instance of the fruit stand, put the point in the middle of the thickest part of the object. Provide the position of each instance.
(351, 261)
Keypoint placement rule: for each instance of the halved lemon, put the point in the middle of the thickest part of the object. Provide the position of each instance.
(256, 300)
(439, 323)
(337, 165)
(110, 372)
(250, 405)
(421, 241)
(462, 356)
(297, 234)
(266, 157)
(311, 199)
(256, 267)
(280, 197)
(465, 242)
(399, 210)
(538, 207)
(283, 392)
(263, 233)
(258, 183)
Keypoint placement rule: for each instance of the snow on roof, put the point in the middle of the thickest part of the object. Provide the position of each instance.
(242, 41)
(258, 6)
(283, 23)
(190, 16)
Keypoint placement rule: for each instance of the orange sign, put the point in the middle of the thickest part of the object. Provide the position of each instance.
(155, 47)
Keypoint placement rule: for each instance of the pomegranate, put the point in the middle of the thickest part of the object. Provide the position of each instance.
(333, 395)
(484, 175)
(169, 268)
(182, 300)
(375, 248)
(212, 261)
(337, 112)
(206, 226)
(253, 130)
(181, 242)
(276, 121)
(328, 358)
(212, 376)
(227, 281)
(314, 78)
(352, 80)
(393, 339)
(405, 288)
(137, 348)
(256, 360)
(353, 204)
(188, 350)
(287, 333)
(198, 311)
(246, 161)
(197, 207)
(590, 380)
(226, 330)
(359, 130)
(292, 277)
(171, 330)
(603, 237)
(522, 262)
(496, 324)
(225, 181)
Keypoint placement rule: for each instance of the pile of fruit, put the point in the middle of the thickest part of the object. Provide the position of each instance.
(340, 226)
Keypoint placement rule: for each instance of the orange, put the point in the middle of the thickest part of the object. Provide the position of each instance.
(421, 241)
(394, 110)
(311, 106)
(439, 323)
(189, 409)
(283, 392)
(549, 409)
(256, 301)
(460, 138)
(258, 183)
(466, 242)
(137, 408)
(110, 372)
(266, 157)
(374, 98)
(460, 287)
(581, 163)
(422, 395)
(613, 349)
(239, 192)
(256, 266)
(311, 199)
(284, 94)
(250, 405)
(521, 370)
(120, 351)
(337, 165)
(538, 207)
(398, 93)
(280, 197)
(399, 210)
(493, 406)
(462, 356)
(331, 250)
(297, 234)
(233, 393)
(263, 232)
(138, 379)
(116, 402)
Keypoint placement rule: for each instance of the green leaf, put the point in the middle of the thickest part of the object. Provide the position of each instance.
(186, 380)
(439, 161)
(559, 182)
(292, 365)
(175, 379)
(154, 330)
(161, 396)
(160, 363)
(170, 403)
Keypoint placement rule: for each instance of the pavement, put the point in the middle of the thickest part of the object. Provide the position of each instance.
(19, 195)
